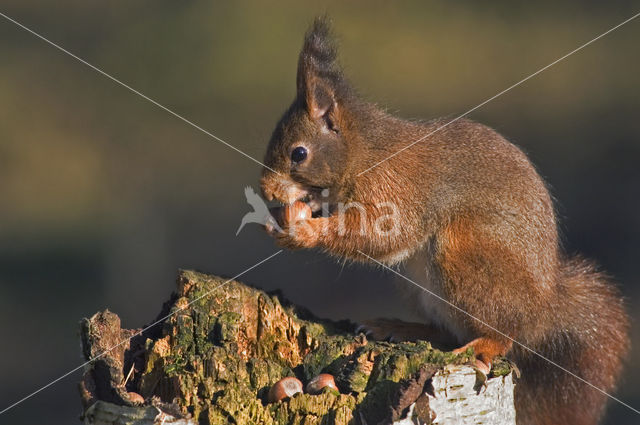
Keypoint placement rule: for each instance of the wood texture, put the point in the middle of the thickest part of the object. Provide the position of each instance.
(214, 359)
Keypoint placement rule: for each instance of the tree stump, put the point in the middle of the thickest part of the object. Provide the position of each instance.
(213, 360)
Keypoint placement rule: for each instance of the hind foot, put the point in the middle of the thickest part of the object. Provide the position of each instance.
(485, 350)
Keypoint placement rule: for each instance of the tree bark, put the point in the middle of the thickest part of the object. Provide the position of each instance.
(213, 360)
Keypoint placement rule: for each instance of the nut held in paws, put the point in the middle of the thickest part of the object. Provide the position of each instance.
(286, 387)
(296, 212)
(320, 382)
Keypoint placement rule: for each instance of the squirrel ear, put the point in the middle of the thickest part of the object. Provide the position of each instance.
(319, 78)
(320, 100)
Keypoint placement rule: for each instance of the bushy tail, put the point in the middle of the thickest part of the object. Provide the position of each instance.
(590, 340)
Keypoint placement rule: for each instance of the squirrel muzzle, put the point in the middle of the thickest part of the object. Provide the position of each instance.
(282, 188)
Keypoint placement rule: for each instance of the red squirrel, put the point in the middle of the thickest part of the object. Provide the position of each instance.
(474, 224)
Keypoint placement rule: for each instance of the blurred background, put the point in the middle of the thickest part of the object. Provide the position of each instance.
(103, 196)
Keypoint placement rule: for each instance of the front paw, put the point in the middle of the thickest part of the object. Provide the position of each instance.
(299, 234)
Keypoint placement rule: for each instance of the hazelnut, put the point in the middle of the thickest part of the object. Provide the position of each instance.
(297, 211)
(286, 387)
(135, 398)
(320, 382)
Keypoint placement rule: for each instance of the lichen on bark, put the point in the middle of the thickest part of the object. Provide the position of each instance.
(215, 357)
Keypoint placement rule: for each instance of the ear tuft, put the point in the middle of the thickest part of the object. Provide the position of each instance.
(319, 50)
(320, 79)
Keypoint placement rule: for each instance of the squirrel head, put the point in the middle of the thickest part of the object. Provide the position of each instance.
(308, 148)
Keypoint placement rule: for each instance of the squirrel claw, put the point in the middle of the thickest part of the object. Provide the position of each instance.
(479, 362)
(485, 350)
(482, 366)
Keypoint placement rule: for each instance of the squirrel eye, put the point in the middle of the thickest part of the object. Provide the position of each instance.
(299, 154)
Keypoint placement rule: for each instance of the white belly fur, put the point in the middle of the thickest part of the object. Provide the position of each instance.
(420, 269)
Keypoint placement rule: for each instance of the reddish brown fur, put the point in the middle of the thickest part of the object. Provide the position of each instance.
(475, 215)
(486, 349)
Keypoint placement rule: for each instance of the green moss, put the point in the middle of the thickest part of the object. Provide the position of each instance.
(225, 350)
(502, 367)
(227, 326)
(325, 355)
